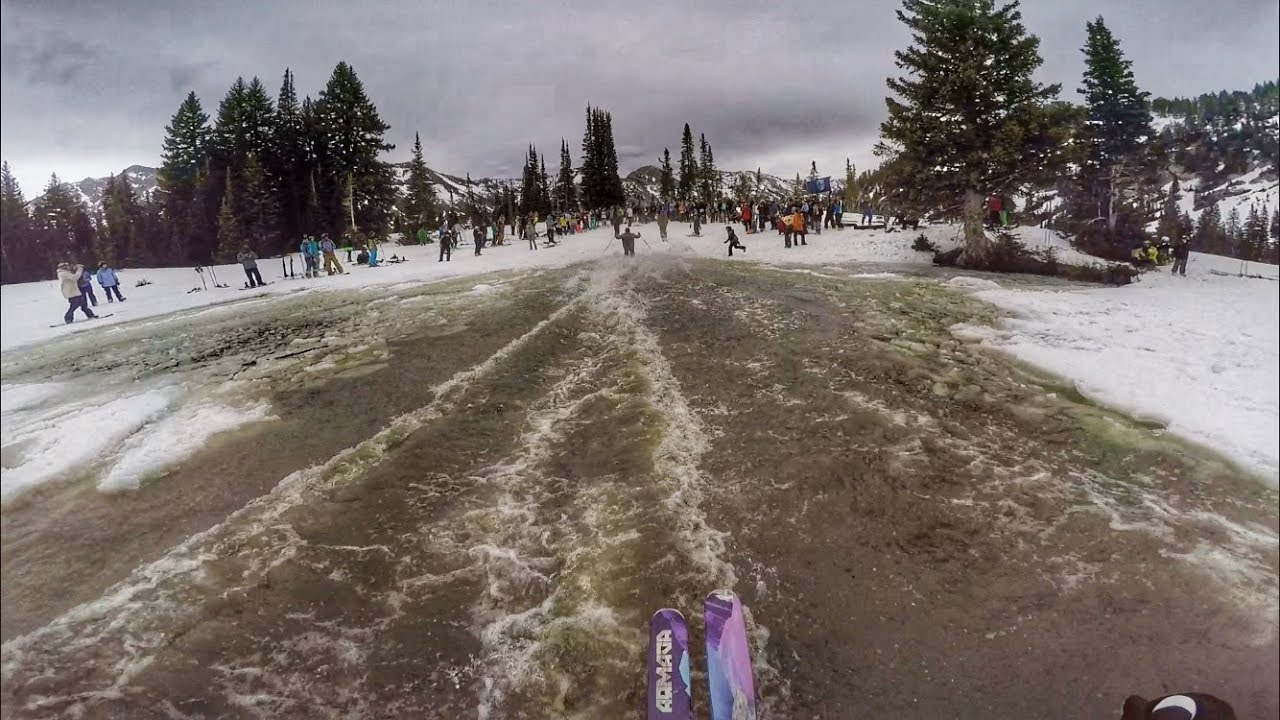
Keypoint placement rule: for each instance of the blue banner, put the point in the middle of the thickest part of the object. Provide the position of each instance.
(818, 185)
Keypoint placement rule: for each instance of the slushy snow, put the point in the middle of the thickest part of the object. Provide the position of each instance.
(1197, 353)
(1200, 354)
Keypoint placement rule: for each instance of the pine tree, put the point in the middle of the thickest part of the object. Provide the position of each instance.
(260, 218)
(544, 186)
(185, 151)
(566, 195)
(231, 234)
(797, 188)
(420, 206)
(289, 161)
(687, 183)
(62, 219)
(708, 176)
(666, 180)
(968, 117)
(530, 195)
(21, 259)
(850, 186)
(118, 237)
(1233, 233)
(614, 194)
(592, 192)
(1209, 234)
(349, 135)
(1117, 127)
(1167, 226)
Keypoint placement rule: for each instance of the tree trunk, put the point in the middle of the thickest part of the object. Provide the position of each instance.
(977, 249)
(1111, 204)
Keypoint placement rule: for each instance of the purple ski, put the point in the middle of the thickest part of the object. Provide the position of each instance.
(668, 667)
(731, 689)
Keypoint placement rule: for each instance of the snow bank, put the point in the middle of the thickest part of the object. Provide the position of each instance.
(174, 438)
(1200, 354)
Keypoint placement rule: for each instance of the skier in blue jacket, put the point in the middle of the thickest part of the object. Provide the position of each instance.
(310, 256)
(109, 282)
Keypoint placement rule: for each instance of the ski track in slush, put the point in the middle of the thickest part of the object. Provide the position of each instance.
(117, 634)
(506, 546)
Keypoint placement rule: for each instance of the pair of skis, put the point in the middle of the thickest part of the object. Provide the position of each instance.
(731, 689)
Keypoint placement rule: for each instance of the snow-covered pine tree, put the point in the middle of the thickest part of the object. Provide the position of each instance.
(967, 119)
(687, 182)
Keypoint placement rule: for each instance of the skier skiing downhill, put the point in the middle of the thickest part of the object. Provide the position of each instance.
(628, 242)
(68, 281)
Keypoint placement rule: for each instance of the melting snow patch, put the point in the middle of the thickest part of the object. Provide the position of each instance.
(174, 438)
(77, 435)
(482, 288)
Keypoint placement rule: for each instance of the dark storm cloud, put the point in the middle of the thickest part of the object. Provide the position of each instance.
(88, 86)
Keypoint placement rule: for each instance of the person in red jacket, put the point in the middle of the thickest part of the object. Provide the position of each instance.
(993, 210)
(746, 218)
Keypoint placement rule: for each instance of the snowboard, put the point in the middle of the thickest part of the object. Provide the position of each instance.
(668, 667)
(74, 321)
(730, 687)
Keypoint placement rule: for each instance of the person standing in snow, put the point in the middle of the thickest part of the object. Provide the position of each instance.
(248, 259)
(328, 248)
(1181, 249)
(617, 224)
(732, 241)
(69, 284)
(866, 215)
(628, 239)
(697, 221)
(798, 226)
(109, 282)
(746, 221)
(531, 231)
(86, 285)
(662, 225)
(310, 250)
(477, 238)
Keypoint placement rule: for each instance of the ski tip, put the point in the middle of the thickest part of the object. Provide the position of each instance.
(667, 613)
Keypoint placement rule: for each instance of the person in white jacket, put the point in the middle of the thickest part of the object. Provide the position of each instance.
(69, 280)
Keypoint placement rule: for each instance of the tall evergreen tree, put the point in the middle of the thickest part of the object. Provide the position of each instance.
(289, 161)
(530, 194)
(544, 186)
(566, 195)
(850, 186)
(708, 177)
(592, 192)
(231, 234)
(420, 206)
(1116, 131)
(119, 237)
(260, 218)
(354, 182)
(1209, 235)
(687, 184)
(968, 117)
(1234, 233)
(610, 180)
(666, 179)
(64, 225)
(185, 154)
(21, 259)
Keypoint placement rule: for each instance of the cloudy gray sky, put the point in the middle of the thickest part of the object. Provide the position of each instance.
(89, 85)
